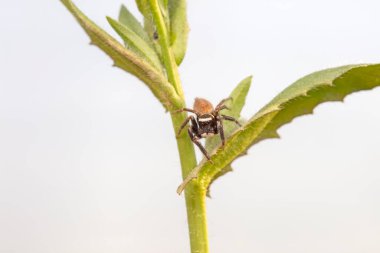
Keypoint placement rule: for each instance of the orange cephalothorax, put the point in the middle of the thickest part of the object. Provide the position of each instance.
(202, 106)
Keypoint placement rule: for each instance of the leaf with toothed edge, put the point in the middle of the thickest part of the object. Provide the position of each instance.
(128, 60)
(298, 99)
(235, 105)
(327, 85)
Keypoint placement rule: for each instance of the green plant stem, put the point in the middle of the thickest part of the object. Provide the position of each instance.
(167, 54)
(195, 195)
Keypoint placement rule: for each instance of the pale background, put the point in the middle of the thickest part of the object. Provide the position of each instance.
(88, 160)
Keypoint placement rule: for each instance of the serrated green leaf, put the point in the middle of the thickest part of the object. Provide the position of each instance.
(327, 85)
(128, 20)
(127, 60)
(136, 43)
(298, 99)
(179, 29)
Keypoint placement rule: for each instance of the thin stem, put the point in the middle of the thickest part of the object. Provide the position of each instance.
(167, 54)
(195, 195)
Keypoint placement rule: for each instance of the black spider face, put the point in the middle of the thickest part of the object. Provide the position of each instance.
(207, 125)
(208, 121)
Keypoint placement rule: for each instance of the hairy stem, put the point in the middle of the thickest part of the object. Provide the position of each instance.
(195, 195)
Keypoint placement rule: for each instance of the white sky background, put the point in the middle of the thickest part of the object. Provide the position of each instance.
(88, 160)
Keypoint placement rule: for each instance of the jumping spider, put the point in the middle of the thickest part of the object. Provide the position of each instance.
(208, 121)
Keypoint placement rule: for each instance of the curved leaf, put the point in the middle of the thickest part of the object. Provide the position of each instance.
(298, 99)
(127, 60)
(136, 43)
(327, 85)
(179, 29)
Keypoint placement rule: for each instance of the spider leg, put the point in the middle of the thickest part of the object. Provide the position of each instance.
(184, 124)
(221, 131)
(230, 119)
(223, 101)
(194, 139)
(185, 110)
(222, 107)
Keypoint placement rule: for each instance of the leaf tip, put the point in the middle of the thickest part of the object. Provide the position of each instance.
(110, 20)
(122, 8)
